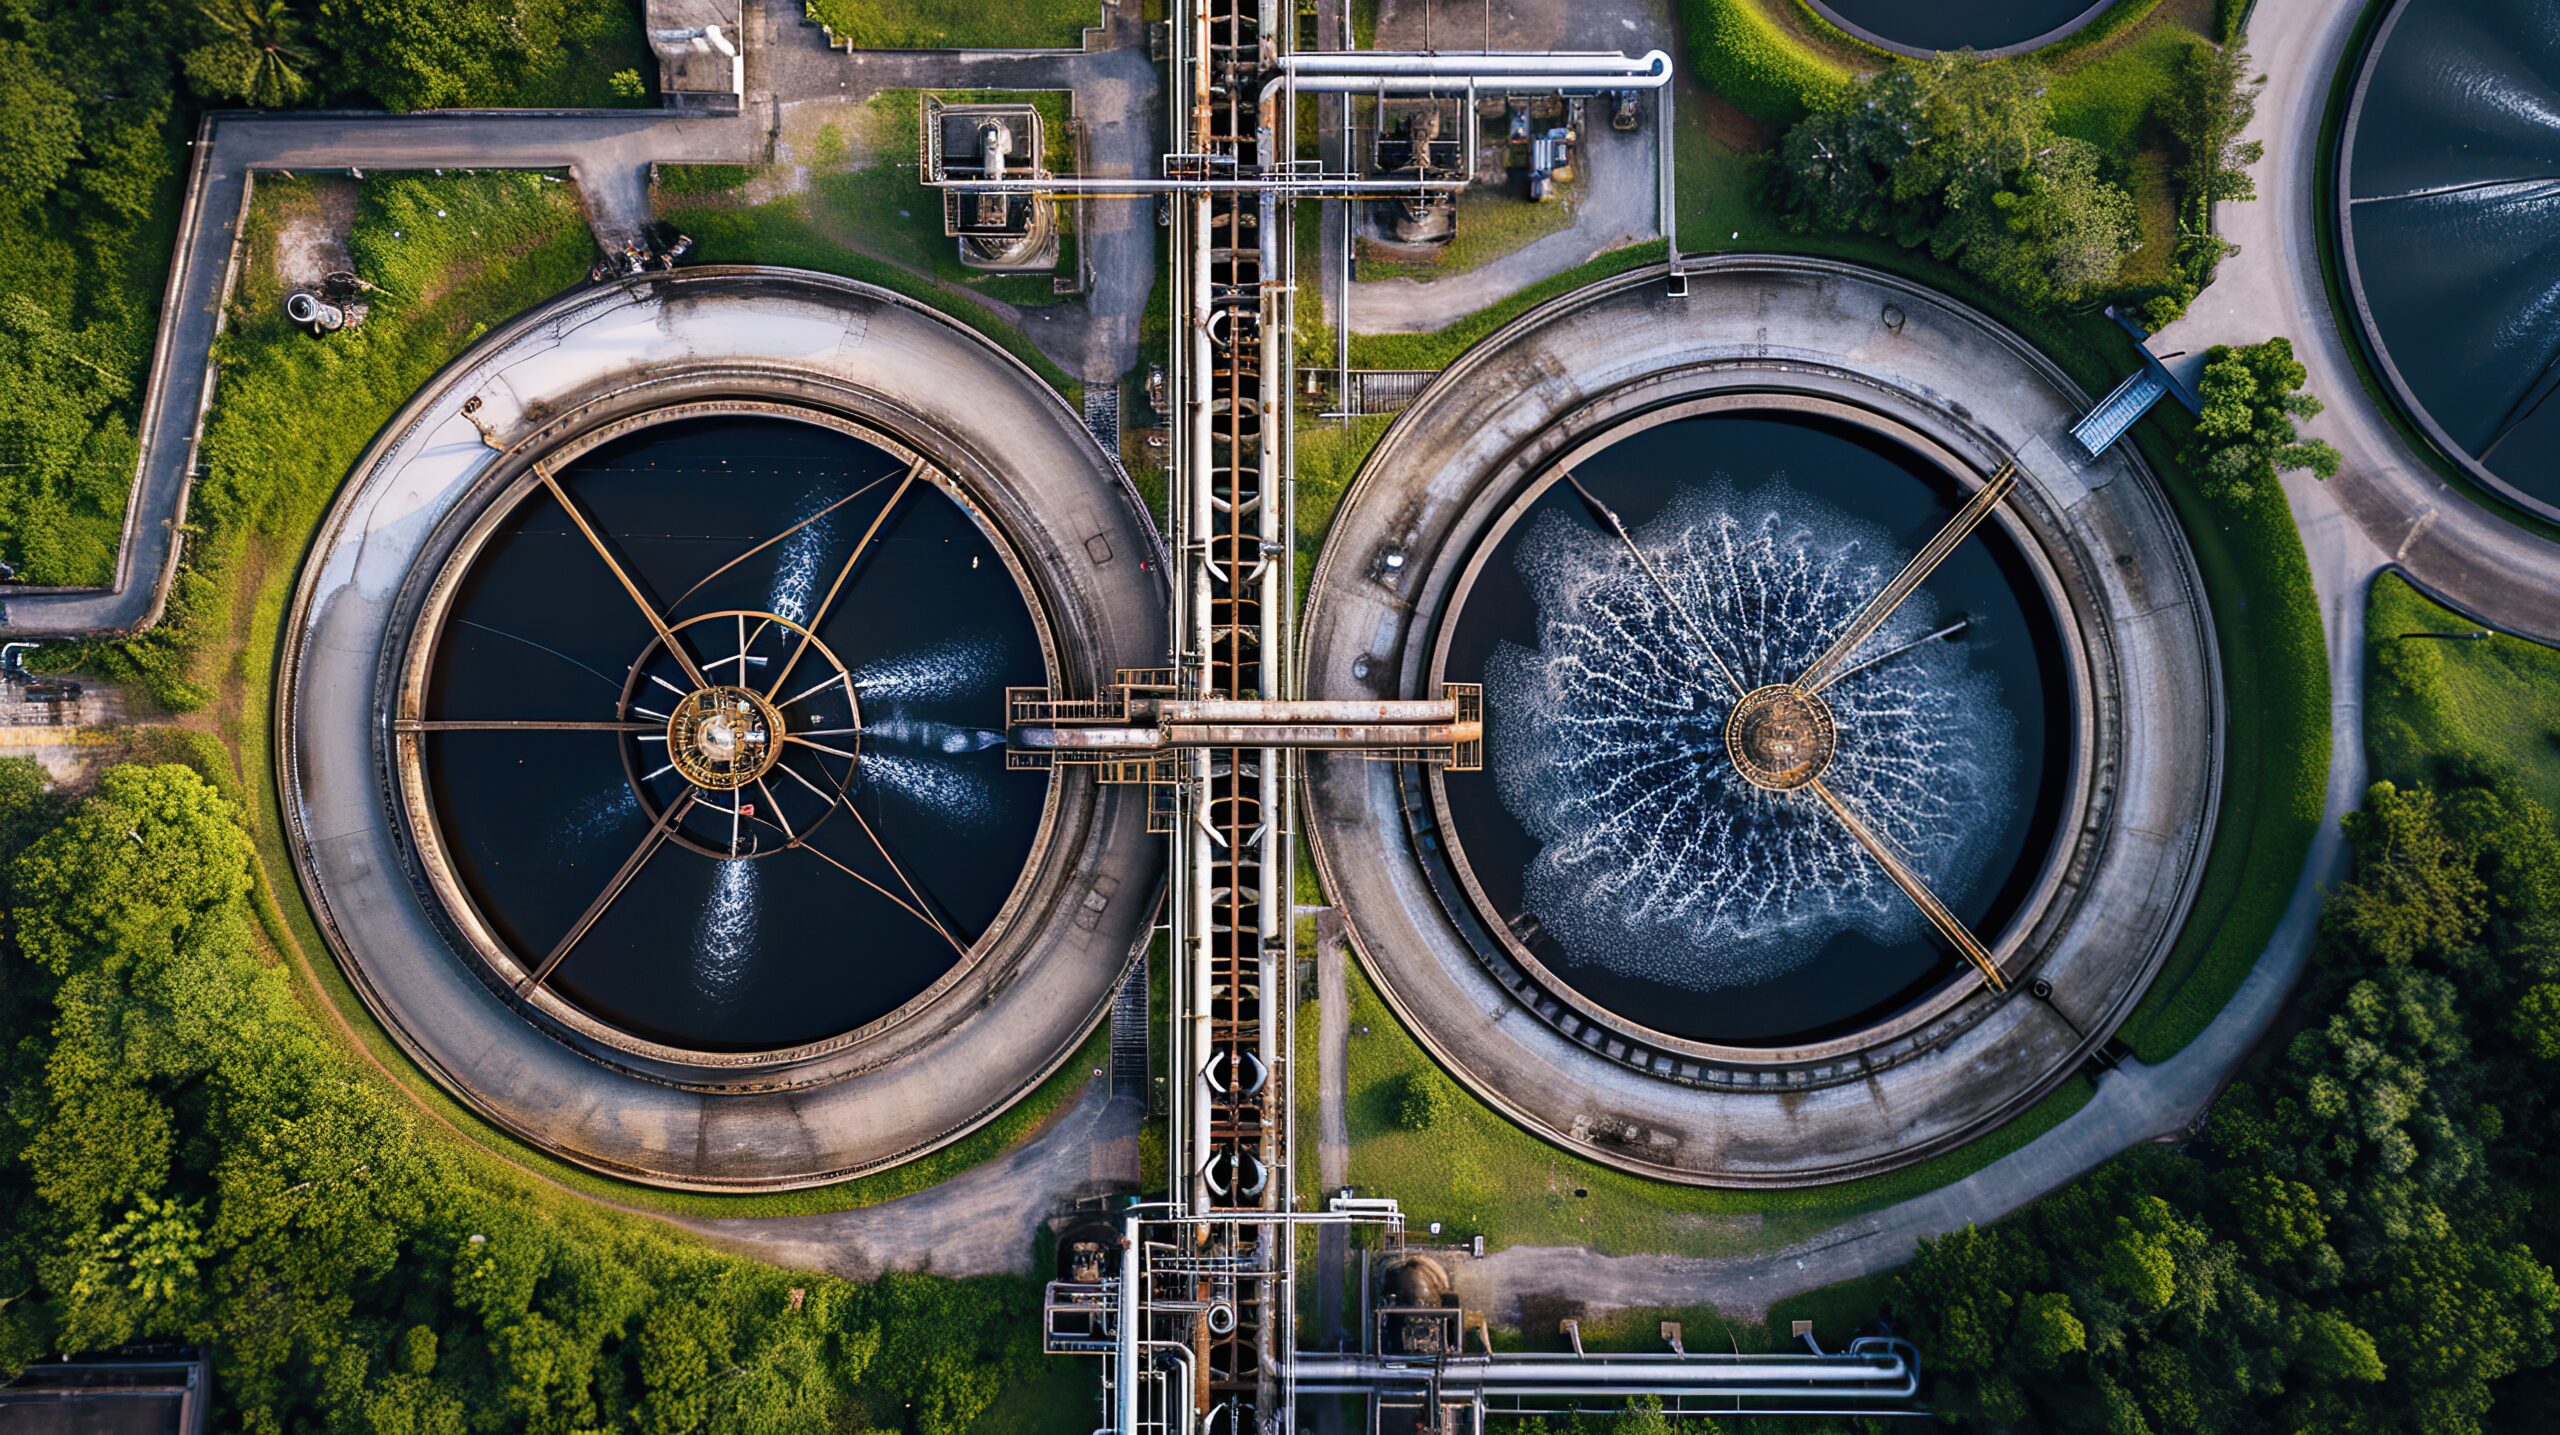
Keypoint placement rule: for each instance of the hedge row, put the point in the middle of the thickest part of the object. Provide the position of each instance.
(1743, 54)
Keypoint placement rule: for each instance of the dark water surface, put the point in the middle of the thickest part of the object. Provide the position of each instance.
(779, 945)
(2454, 185)
(1609, 828)
(1957, 24)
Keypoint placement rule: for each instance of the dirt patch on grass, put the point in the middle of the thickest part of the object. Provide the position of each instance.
(310, 240)
(1725, 124)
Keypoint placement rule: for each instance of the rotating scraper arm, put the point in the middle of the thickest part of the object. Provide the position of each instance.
(1826, 669)
(1608, 518)
(1955, 931)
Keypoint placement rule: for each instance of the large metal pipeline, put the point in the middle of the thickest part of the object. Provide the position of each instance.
(1880, 1378)
(1465, 65)
(1371, 73)
(1323, 737)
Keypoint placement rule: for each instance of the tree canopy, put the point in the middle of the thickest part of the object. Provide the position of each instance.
(1958, 154)
(96, 102)
(2362, 1240)
(2244, 432)
(190, 1156)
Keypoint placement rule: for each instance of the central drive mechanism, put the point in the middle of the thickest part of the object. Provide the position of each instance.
(723, 738)
(1781, 737)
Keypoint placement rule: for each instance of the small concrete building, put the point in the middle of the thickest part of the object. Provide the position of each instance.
(701, 47)
(1003, 231)
(143, 1391)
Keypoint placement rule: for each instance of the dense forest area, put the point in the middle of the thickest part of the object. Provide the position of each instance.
(2362, 1238)
(188, 1155)
(97, 101)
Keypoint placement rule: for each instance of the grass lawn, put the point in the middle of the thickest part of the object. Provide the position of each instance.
(1479, 1174)
(2432, 706)
(957, 24)
(1493, 220)
(583, 80)
(865, 186)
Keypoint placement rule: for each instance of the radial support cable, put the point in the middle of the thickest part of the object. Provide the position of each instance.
(640, 600)
(1609, 519)
(657, 835)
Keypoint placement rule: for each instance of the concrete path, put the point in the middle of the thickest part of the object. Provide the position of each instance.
(1618, 194)
(1333, 1126)
(1094, 338)
(980, 1222)
(608, 154)
(2449, 545)
(2385, 508)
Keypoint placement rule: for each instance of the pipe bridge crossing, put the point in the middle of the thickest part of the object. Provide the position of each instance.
(1192, 1310)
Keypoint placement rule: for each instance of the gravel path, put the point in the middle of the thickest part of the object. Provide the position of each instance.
(980, 1222)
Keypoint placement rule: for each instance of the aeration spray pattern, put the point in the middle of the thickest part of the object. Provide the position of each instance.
(1657, 858)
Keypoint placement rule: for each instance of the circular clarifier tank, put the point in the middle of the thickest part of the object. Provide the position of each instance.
(2449, 209)
(765, 808)
(1851, 743)
(1669, 829)
(639, 728)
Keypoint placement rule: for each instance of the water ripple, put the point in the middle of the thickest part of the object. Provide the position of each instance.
(1656, 860)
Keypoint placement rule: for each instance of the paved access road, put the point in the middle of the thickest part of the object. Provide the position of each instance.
(980, 1222)
(2386, 507)
(2134, 1104)
(608, 152)
(2449, 545)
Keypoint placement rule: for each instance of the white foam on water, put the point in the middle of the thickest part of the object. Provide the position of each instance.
(1656, 860)
(926, 736)
(795, 578)
(726, 939)
(597, 815)
(944, 670)
(953, 794)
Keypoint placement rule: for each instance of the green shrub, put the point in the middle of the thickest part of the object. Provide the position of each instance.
(1745, 56)
(2245, 433)
(1423, 1100)
(293, 413)
(193, 1157)
(957, 24)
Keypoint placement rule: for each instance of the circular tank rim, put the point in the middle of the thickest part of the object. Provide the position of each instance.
(2367, 333)
(2154, 819)
(429, 591)
(806, 1127)
(1907, 50)
(1937, 998)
